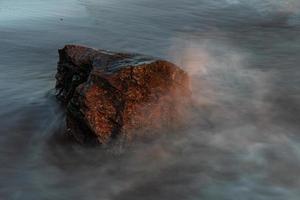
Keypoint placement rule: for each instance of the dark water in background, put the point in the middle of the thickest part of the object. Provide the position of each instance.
(243, 56)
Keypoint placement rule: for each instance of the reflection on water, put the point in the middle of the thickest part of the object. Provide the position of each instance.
(243, 58)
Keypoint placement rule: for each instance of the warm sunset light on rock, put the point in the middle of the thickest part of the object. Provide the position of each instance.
(111, 95)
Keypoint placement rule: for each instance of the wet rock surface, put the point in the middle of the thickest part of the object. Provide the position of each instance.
(116, 95)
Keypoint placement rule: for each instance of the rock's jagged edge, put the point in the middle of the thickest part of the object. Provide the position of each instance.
(109, 94)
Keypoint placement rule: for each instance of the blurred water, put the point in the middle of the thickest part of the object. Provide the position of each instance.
(243, 56)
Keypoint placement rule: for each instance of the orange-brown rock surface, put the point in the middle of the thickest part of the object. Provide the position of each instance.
(115, 95)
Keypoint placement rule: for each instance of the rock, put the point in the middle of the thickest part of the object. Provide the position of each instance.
(115, 95)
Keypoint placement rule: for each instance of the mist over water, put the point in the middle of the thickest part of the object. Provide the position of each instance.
(243, 141)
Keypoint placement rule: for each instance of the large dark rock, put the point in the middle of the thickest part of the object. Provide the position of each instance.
(110, 95)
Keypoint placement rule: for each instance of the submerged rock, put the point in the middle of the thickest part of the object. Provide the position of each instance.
(110, 95)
